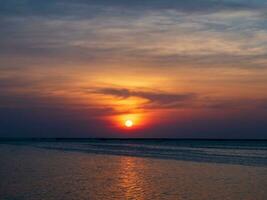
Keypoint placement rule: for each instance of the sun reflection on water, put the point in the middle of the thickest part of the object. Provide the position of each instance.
(131, 179)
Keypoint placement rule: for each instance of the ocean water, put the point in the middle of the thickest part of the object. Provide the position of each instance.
(242, 152)
(133, 169)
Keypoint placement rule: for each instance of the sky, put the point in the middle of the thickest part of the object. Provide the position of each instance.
(176, 69)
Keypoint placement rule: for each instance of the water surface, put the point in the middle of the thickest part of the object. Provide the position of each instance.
(113, 169)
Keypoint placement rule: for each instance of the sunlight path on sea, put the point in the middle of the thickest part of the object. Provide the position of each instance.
(29, 173)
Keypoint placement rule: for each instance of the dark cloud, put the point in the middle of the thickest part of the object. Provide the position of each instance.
(244, 103)
(160, 98)
(163, 100)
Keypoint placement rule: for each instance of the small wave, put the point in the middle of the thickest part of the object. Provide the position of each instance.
(250, 153)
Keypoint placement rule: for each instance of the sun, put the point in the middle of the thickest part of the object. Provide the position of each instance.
(128, 123)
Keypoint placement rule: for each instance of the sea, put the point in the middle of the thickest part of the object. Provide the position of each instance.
(60, 168)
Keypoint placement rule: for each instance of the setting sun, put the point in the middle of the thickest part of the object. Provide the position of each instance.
(128, 123)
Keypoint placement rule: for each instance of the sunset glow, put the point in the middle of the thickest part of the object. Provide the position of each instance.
(175, 68)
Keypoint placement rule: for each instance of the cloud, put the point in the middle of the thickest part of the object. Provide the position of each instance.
(89, 8)
(164, 100)
(160, 99)
(167, 37)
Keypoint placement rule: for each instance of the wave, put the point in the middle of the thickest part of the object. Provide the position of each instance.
(250, 153)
